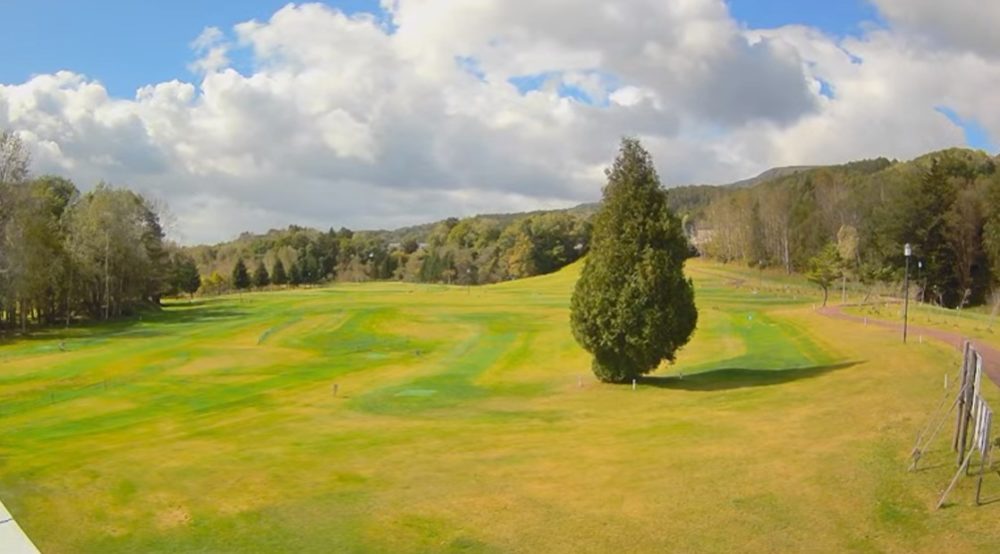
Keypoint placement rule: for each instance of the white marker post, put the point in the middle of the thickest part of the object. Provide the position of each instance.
(633, 384)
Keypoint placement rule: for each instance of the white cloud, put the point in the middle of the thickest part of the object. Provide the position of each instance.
(954, 25)
(372, 121)
(211, 46)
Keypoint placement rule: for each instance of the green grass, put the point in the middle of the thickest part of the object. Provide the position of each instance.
(460, 425)
(976, 323)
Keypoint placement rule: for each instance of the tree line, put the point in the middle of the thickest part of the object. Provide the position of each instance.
(470, 251)
(103, 254)
(852, 221)
(66, 255)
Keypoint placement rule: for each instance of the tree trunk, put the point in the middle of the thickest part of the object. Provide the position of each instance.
(785, 254)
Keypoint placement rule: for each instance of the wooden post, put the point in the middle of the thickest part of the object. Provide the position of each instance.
(924, 439)
(954, 481)
(971, 395)
(963, 424)
(986, 458)
(961, 398)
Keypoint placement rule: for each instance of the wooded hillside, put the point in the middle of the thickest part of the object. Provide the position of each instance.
(946, 204)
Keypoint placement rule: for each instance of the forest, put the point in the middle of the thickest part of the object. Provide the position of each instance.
(469, 251)
(858, 216)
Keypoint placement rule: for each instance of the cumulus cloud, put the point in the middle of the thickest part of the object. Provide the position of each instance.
(955, 25)
(436, 108)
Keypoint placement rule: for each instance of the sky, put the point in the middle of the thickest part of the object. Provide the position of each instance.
(247, 115)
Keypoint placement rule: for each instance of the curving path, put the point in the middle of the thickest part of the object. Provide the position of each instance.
(991, 356)
(12, 538)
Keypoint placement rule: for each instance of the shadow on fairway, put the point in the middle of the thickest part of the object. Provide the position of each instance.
(738, 378)
(130, 326)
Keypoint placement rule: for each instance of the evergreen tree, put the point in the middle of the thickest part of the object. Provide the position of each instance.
(186, 276)
(934, 197)
(633, 307)
(241, 278)
(309, 266)
(261, 278)
(278, 275)
(294, 275)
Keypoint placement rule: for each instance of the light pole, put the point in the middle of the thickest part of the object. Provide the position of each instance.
(920, 279)
(907, 251)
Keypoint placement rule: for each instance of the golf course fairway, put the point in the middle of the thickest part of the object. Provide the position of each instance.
(394, 417)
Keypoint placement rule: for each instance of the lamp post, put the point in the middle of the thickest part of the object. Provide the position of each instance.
(907, 251)
(920, 279)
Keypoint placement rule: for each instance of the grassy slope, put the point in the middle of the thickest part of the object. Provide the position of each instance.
(979, 323)
(460, 425)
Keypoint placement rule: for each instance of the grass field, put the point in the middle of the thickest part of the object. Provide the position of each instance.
(979, 323)
(468, 420)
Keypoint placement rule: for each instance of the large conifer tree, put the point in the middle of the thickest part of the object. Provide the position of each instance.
(633, 307)
(241, 278)
(278, 275)
(261, 278)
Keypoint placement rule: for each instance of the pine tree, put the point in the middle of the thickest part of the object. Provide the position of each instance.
(241, 279)
(294, 275)
(278, 275)
(308, 264)
(187, 276)
(261, 278)
(633, 307)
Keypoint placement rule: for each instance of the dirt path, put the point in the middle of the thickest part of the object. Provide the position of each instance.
(991, 356)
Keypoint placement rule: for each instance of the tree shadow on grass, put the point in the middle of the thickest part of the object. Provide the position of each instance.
(739, 378)
(130, 326)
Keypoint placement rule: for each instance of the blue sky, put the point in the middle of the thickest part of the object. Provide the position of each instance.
(837, 17)
(124, 44)
(127, 44)
(383, 117)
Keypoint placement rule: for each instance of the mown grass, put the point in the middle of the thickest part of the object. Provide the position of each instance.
(972, 323)
(468, 420)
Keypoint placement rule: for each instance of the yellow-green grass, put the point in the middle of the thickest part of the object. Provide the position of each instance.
(460, 424)
(977, 323)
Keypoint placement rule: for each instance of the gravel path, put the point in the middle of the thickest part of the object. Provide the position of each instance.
(991, 356)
